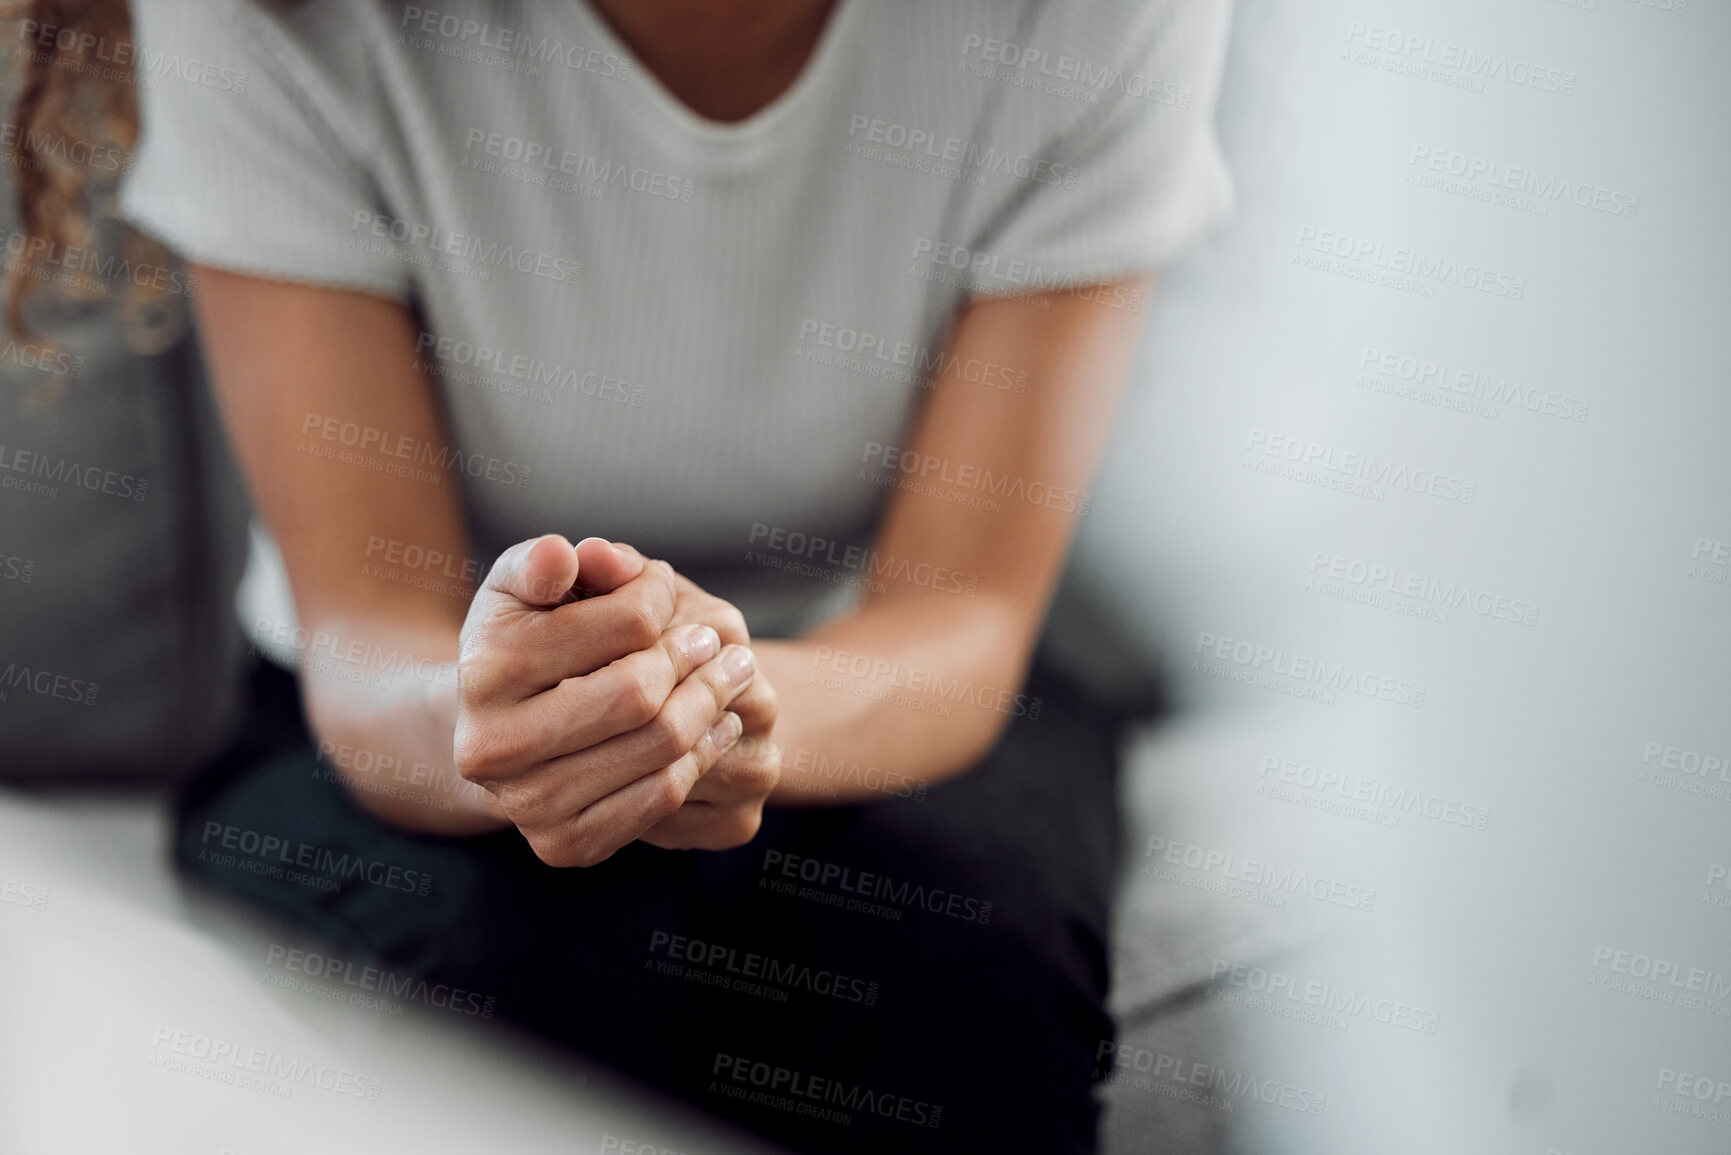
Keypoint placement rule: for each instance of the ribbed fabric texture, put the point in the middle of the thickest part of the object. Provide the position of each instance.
(691, 329)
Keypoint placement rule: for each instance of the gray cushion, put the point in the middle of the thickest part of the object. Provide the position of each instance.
(122, 533)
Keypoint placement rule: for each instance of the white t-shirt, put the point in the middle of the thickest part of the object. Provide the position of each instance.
(657, 328)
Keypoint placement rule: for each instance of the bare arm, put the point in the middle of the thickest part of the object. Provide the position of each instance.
(950, 665)
(290, 364)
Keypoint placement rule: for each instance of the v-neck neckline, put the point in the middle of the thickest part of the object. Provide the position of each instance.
(786, 104)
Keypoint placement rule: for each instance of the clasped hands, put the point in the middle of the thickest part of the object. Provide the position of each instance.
(603, 698)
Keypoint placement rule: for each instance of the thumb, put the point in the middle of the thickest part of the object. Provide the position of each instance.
(607, 565)
(538, 572)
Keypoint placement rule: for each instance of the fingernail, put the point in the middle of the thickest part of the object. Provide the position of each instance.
(726, 731)
(613, 547)
(738, 663)
(700, 644)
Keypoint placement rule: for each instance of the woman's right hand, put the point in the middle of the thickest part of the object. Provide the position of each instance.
(589, 719)
(583, 720)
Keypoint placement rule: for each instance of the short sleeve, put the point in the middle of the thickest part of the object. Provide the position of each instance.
(238, 163)
(1137, 175)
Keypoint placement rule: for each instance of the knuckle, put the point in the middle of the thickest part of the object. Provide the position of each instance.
(562, 849)
(479, 672)
(730, 624)
(463, 759)
(666, 586)
(665, 740)
(482, 754)
(666, 796)
(547, 848)
(721, 691)
(590, 853)
(765, 703)
(523, 803)
(666, 840)
(642, 623)
(718, 756)
(640, 698)
(741, 825)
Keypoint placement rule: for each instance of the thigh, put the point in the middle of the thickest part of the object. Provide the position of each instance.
(560, 951)
(970, 928)
(932, 970)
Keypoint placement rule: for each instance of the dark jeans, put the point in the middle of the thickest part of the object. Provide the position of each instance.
(917, 974)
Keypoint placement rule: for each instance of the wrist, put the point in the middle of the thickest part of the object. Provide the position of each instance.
(382, 700)
(454, 815)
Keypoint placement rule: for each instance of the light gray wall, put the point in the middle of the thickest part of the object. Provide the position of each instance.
(1609, 525)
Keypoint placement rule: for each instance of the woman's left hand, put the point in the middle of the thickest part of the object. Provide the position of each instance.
(725, 806)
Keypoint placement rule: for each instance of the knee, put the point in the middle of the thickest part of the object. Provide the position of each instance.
(976, 934)
(971, 888)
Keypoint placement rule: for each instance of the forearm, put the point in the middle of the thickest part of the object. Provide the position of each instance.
(377, 674)
(381, 697)
(894, 697)
(918, 684)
